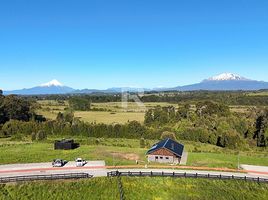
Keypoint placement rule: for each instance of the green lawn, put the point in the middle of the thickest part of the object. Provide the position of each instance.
(136, 188)
(122, 152)
(44, 152)
(225, 160)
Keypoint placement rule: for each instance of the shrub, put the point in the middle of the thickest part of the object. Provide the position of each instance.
(142, 143)
(167, 134)
(41, 135)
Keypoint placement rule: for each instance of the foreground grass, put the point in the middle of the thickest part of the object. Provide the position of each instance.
(97, 188)
(135, 188)
(169, 188)
(123, 152)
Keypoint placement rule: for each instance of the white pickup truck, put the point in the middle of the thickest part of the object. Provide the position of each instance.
(80, 162)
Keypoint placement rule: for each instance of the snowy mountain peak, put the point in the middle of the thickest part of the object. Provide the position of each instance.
(226, 77)
(52, 83)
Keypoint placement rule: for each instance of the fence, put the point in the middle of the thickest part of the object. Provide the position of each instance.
(188, 175)
(44, 177)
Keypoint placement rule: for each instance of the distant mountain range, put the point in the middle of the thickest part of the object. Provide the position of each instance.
(225, 81)
(222, 82)
(52, 87)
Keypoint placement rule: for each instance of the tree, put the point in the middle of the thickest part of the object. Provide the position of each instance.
(149, 118)
(16, 108)
(41, 135)
(142, 143)
(3, 115)
(33, 136)
(80, 103)
(183, 111)
(68, 116)
(60, 117)
(261, 129)
(210, 108)
(167, 134)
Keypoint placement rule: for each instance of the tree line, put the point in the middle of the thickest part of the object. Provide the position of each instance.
(205, 121)
(193, 97)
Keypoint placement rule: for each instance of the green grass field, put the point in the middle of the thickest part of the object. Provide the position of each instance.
(262, 93)
(136, 188)
(109, 117)
(114, 112)
(123, 152)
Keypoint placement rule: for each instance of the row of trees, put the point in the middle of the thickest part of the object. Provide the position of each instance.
(193, 97)
(130, 130)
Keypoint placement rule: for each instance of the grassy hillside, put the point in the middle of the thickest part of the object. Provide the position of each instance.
(135, 189)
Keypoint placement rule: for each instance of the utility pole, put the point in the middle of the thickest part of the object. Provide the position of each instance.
(238, 160)
(113, 159)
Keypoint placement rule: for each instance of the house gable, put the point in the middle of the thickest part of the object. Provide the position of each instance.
(163, 152)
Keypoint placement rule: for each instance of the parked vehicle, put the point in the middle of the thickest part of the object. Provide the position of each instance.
(58, 163)
(80, 162)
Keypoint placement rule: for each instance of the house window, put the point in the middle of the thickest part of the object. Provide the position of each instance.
(167, 158)
(156, 157)
(161, 157)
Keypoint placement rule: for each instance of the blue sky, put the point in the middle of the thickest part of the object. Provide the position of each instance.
(141, 43)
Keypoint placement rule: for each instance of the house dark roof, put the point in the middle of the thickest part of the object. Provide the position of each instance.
(168, 144)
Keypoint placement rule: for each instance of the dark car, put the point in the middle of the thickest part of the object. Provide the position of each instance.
(58, 163)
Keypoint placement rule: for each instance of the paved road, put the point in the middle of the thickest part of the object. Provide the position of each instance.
(98, 168)
(255, 170)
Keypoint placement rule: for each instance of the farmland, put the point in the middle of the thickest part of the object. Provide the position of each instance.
(136, 188)
(107, 113)
(112, 112)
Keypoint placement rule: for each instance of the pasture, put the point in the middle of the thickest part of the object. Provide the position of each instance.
(107, 113)
(136, 188)
(111, 112)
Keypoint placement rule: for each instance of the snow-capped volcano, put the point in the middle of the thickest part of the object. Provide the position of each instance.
(54, 82)
(51, 87)
(227, 77)
(225, 81)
